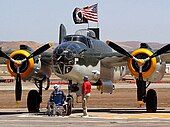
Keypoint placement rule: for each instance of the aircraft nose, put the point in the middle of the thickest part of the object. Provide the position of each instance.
(63, 57)
(68, 54)
(67, 51)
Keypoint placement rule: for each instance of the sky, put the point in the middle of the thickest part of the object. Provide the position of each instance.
(119, 20)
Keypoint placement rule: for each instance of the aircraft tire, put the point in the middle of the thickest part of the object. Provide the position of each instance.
(151, 101)
(33, 101)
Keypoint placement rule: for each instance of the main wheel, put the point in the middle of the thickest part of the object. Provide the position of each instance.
(151, 101)
(33, 101)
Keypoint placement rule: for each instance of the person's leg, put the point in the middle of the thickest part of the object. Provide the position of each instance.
(85, 105)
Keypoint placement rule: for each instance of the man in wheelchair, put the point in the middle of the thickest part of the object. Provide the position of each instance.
(57, 104)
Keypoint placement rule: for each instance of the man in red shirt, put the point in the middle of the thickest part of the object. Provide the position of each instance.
(86, 89)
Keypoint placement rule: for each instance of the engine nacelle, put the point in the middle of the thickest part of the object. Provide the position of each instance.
(158, 73)
(27, 68)
(152, 71)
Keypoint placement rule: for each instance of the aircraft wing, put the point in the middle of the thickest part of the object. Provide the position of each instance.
(120, 60)
(166, 57)
(46, 58)
(113, 61)
(107, 66)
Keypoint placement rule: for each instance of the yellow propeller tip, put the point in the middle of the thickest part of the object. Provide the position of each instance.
(51, 43)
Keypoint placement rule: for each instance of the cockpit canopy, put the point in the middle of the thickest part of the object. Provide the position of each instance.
(78, 38)
(86, 32)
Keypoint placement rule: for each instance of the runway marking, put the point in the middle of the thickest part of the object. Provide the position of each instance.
(108, 116)
(126, 116)
(135, 116)
(29, 115)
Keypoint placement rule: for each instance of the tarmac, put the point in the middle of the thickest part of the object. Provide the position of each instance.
(97, 117)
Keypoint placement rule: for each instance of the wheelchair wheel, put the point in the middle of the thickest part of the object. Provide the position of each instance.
(69, 107)
(64, 113)
(51, 111)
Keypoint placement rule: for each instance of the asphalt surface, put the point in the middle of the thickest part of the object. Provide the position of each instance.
(100, 118)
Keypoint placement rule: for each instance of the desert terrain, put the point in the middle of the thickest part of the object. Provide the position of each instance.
(121, 98)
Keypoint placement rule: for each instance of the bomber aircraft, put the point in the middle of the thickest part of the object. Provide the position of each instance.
(82, 54)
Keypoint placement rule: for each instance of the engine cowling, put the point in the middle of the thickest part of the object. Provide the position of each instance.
(26, 68)
(152, 70)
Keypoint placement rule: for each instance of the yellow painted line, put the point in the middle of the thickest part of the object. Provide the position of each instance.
(132, 116)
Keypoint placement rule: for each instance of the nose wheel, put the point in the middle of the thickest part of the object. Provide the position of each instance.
(149, 97)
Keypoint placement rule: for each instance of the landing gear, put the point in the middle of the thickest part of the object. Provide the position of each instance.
(35, 97)
(33, 101)
(141, 90)
(150, 98)
(151, 101)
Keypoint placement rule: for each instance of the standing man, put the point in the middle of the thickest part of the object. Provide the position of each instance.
(86, 89)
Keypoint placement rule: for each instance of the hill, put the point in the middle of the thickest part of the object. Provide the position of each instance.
(128, 45)
(14, 45)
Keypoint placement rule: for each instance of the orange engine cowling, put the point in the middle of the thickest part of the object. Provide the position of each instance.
(148, 68)
(26, 68)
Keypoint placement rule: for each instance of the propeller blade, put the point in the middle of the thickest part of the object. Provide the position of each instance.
(161, 51)
(119, 49)
(3, 54)
(18, 88)
(40, 50)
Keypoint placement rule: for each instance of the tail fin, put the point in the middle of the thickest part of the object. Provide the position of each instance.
(62, 33)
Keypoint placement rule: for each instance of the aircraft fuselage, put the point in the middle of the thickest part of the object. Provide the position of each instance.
(79, 55)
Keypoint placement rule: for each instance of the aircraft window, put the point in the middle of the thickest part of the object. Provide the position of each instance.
(74, 47)
(67, 38)
(86, 32)
(81, 39)
(78, 38)
(61, 48)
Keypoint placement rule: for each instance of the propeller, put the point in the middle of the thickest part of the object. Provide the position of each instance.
(160, 51)
(119, 49)
(18, 87)
(2, 54)
(18, 64)
(40, 50)
(140, 62)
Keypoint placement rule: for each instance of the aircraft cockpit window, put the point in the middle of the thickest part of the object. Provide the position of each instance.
(86, 32)
(67, 39)
(78, 38)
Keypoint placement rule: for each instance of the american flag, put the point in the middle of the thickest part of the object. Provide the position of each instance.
(90, 13)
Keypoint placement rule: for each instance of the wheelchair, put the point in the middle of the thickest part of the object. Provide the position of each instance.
(60, 107)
